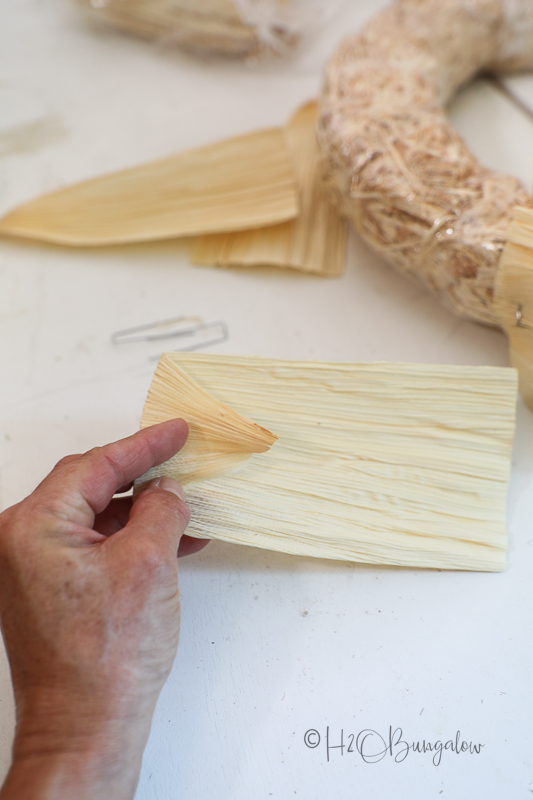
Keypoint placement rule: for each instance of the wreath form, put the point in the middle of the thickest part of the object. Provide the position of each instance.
(393, 163)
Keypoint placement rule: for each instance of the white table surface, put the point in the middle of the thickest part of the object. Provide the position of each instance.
(271, 645)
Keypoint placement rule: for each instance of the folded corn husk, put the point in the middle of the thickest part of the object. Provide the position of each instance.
(313, 242)
(235, 184)
(219, 441)
(384, 463)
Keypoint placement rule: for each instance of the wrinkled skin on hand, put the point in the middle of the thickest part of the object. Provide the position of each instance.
(89, 607)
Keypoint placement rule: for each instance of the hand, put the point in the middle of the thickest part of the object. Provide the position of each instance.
(89, 607)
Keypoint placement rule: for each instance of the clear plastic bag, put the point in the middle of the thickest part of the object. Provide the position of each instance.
(237, 28)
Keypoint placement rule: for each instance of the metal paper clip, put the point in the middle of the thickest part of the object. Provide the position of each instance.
(203, 334)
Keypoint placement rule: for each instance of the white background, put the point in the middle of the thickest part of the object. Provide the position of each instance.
(271, 645)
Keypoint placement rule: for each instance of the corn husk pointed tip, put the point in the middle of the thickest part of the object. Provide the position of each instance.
(238, 183)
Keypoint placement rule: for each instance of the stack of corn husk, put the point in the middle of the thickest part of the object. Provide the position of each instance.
(251, 200)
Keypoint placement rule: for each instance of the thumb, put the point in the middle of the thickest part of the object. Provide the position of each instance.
(159, 514)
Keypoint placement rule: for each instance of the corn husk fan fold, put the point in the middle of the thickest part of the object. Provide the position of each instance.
(219, 441)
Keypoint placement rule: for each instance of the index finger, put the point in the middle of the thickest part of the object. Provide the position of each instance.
(88, 482)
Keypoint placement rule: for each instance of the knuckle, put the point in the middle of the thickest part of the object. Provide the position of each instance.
(184, 512)
(171, 509)
(55, 504)
(65, 461)
(154, 562)
(179, 514)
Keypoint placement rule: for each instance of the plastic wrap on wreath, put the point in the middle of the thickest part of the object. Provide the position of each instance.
(237, 28)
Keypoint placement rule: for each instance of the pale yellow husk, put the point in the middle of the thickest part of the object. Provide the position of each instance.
(234, 184)
(219, 440)
(313, 242)
(514, 296)
(384, 463)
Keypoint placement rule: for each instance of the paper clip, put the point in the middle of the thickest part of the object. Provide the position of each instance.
(205, 333)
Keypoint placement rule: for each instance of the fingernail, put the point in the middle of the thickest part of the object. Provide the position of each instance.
(170, 485)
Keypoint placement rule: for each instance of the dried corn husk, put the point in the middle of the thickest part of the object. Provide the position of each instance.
(385, 463)
(514, 296)
(313, 242)
(219, 440)
(230, 185)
